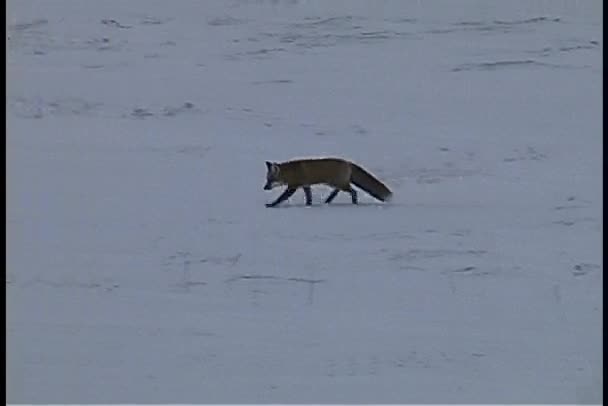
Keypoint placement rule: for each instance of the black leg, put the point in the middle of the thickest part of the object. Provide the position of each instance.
(284, 196)
(331, 196)
(353, 195)
(308, 194)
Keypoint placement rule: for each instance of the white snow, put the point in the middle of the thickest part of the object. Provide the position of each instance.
(143, 266)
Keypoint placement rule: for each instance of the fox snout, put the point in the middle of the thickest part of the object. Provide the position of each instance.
(268, 185)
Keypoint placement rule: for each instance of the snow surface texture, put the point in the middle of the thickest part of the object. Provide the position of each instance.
(144, 267)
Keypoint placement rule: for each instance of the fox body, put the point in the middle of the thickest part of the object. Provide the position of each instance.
(335, 172)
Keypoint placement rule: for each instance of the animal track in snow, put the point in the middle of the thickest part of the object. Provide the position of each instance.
(362, 365)
(584, 268)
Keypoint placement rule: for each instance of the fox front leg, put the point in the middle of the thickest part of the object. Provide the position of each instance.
(308, 195)
(284, 196)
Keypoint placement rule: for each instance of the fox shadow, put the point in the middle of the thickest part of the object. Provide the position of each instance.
(336, 205)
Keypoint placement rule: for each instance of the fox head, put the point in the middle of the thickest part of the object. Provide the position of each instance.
(273, 172)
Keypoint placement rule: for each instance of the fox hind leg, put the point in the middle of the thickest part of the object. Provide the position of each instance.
(332, 196)
(284, 196)
(349, 189)
(353, 195)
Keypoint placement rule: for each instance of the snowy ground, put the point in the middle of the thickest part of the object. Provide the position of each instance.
(143, 266)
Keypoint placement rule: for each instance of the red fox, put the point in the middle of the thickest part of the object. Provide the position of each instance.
(334, 172)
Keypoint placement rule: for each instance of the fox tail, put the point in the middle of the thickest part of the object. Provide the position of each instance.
(366, 181)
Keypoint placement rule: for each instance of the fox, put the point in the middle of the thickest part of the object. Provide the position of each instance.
(335, 172)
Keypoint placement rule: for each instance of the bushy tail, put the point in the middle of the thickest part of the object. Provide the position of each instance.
(366, 181)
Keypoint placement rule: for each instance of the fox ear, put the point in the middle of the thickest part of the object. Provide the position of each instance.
(268, 165)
